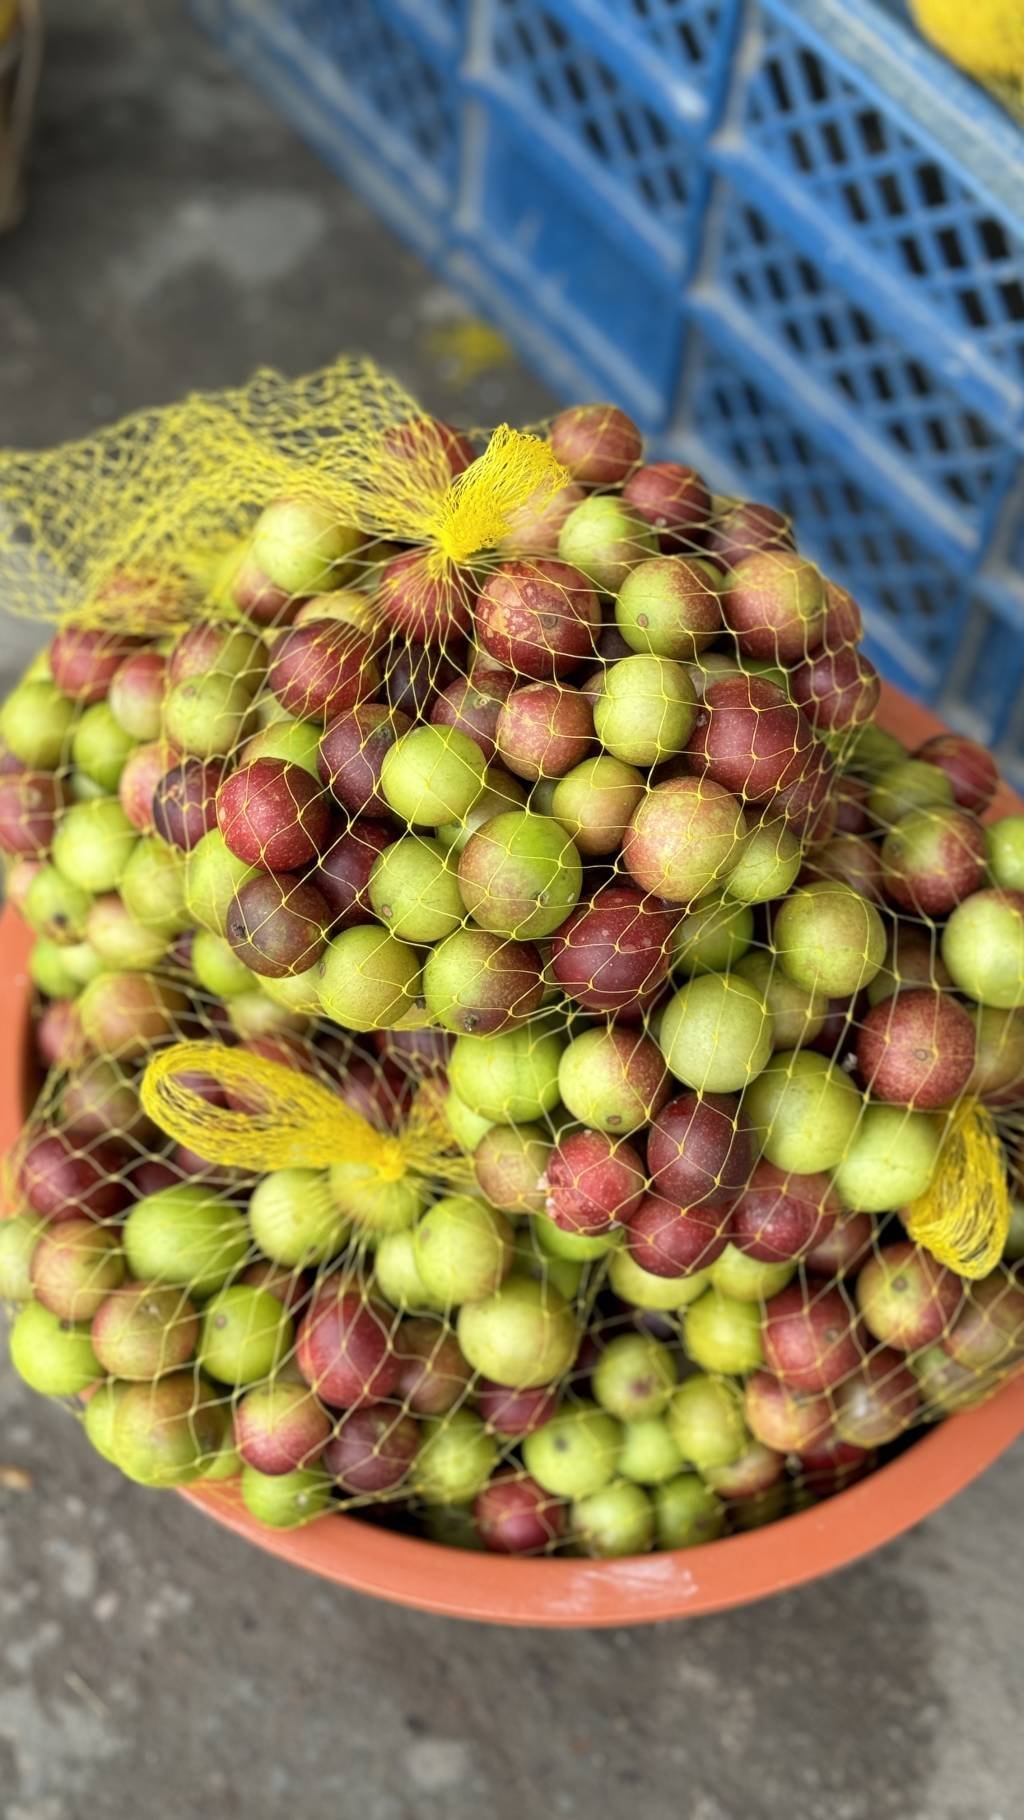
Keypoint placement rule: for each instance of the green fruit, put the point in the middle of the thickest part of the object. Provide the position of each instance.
(49, 970)
(889, 1160)
(767, 866)
(983, 948)
(245, 1334)
(828, 939)
(746, 1279)
(213, 875)
(368, 979)
(716, 1033)
(474, 982)
(649, 1455)
(99, 747)
(564, 1274)
(83, 963)
(869, 750)
(646, 710)
(723, 1335)
(93, 844)
(575, 1453)
(56, 908)
(796, 1014)
(153, 887)
(906, 785)
(605, 540)
(19, 1235)
(226, 1464)
(523, 1335)
(373, 1202)
(415, 892)
(164, 1434)
(806, 1111)
(520, 875)
(574, 1247)
(121, 943)
(1004, 844)
(286, 1500)
(500, 793)
(217, 966)
(642, 1289)
(670, 606)
(255, 1013)
(594, 802)
(100, 1418)
(686, 1513)
(36, 722)
(83, 790)
(294, 1219)
(455, 1460)
(510, 1078)
(463, 1249)
(467, 1127)
(432, 775)
(634, 1377)
(712, 937)
(52, 1356)
(610, 1081)
(296, 741)
(705, 1419)
(297, 992)
(396, 1273)
(616, 1521)
(206, 715)
(186, 1236)
(301, 547)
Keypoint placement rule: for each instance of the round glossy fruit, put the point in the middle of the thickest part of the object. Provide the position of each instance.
(828, 939)
(575, 1453)
(510, 1078)
(971, 770)
(455, 1460)
(666, 1240)
(280, 1427)
(510, 1164)
(52, 1356)
(767, 866)
(722, 1335)
(613, 954)
(74, 1267)
(908, 784)
(618, 1520)
(539, 617)
(786, 1420)
(286, 1500)
(699, 1151)
(670, 606)
(594, 803)
(475, 983)
(805, 1111)
(916, 1049)
(56, 908)
(646, 710)
(634, 1377)
(906, 1299)
(1004, 846)
(99, 747)
(126, 1014)
(36, 723)
(605, 540)
(640, 1288)
(19, 1235)
(186, 1236)
(463, 1249)
(414, 891)
(119, 940)
(300, 547)
(515, 1516)
(544, 730)
(92, 844)
(344, 1348)
(533, 528)
(774, 601)
(522, 1336)
(837, 690)
(932, 859)
(705, 1420)
(878, 1403)
(797, 1016)
(372, 1450)
(273, 814)
(983, 947)
(780, 1216)
(29, 804)
(152, 887)
(141, 1331)
(649, 1456)
(810, 1338)
(747, 1279)
(988, 1331)
(598, 443)
(432, 775)
(165, 1434)
(319, 669)
(685, 835)
(593, 1183)
(712, 938)
(716, 1033)
(890, 1159)
(612, 1080)
(686, 1513)
(293, 1218)
(520, 875)
(368, 979)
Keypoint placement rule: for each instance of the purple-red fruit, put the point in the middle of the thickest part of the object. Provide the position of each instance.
(594, 1182)
(671, 1241)
(540, 618)
(372, 1450)
(613, 954)
(700, 1151)
(916, 1048)
(352, 752)
(274, 815)
(780, 1216)
(515, 1516)
(319, 669)
(184, 801)
(598, 443)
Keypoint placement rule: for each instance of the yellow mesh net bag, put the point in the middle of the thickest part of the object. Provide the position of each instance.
(524, 1048)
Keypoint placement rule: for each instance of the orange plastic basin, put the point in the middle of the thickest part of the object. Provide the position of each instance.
(564, 1592)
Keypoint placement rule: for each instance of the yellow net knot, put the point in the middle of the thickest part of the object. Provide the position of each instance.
(477, 509)
(964, 1215)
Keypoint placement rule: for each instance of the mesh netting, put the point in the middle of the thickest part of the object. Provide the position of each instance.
(528, 1057)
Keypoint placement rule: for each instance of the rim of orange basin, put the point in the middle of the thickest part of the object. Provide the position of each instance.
(564, 1592)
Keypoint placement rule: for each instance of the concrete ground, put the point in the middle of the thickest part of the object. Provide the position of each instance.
(153, 1665)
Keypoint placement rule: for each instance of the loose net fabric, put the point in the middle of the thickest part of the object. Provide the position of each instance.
(527, 1055)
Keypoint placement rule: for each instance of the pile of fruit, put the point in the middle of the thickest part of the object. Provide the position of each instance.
(676, 1008)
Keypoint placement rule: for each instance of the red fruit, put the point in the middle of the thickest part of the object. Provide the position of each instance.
(971, 770)
(273, 814)
(743, 529)
(282, 1429)
(840, 1027)
(750, 738)
(807, 803)
(671, 1241)
(810, 1338)
(344, 1347)
(514, 1516)
(428, 605)
(473, 704)
(277, 924)
(700, 1151)
(906, 1299)
(593, 1183)
(844, 622)
(424, 1052)
(514, 1413)
(372, 1450)
(144, 767)
(842, 1246)
(61, 1180)
(539, 618)
(613, 954)
(321, 668)
(379, 1091)
(774, 602)
(833, 1465)
(781, 1216)
(184, 801)
(672, 498)
(260, 599)
(138, 687)
(414, 675)
(152, 1177)
(932, 859)
(781, 1418)
(837, 690)
(544, 730)
(352, 752)
(598, 443)
(85, 659)
(916, 1049)
(878, 1403)
(851, 800)
(29, 804)
(853, 860)
(434, 1376)
(429, 440)
(289, 1287)
(59, 1038)
(344, 871)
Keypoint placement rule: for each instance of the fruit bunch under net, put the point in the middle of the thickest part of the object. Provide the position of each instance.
(528, 1054)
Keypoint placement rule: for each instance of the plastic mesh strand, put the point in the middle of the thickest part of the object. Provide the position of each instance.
(527, 1055)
